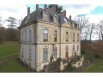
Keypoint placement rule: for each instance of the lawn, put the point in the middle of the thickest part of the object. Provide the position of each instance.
(97, 65)
(8, 58)
(8, 48)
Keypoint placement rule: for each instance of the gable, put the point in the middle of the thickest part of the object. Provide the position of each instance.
(67, 24)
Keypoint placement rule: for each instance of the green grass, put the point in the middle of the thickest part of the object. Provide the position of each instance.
(97, 65)
(8, 58)
(8, 48)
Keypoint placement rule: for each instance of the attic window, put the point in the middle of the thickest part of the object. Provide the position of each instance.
(75, 25)
(41, 13)
(65, 20)
(51, 18)
(27, 19)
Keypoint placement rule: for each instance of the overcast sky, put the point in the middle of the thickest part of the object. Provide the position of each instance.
(18, 9)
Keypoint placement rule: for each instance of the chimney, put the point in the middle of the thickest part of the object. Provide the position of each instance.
(28, 10)
(64, 13)
(70, 17)
(45, 6)
(37, 6)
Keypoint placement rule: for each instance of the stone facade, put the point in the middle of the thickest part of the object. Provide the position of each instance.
(65, 42)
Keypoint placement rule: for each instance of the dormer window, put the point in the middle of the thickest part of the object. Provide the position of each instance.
(27, 19)
(41, 13)
(55, 19)
(51, 18)
(45, 16)
(65, 20)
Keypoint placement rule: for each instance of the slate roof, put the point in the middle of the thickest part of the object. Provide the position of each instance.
(37, 15)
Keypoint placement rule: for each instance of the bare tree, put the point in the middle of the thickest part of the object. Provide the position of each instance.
(83, 24)
(91, 28)
(100, 30)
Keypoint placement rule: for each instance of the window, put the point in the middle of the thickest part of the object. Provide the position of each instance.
(45, 35)
(45, 54)
(77, 48)
(65, 20)
(27, 19)
(55, 35)
(51, 18)
(54, 52)
(55, 19)
(25, 35)
(22, 52)
(73, 52)
(75, 26)
(41, 13)
(77, 37)
(67, 36)
(45, 17)
(73, 37)
(66, 49)
(22, 35)
(30, 53)
(30, 35)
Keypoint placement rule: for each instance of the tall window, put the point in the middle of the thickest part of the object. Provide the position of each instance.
(66, 49)
(30, 53)
(22, 36)
(77, 37)
(54, 52)
(67, 36)
(22, 52)
(30, 35)
(55, 35)
(73, 52)
(77, 48)
(73, 37)
(45, 35)
(45, 54)
(25, 35)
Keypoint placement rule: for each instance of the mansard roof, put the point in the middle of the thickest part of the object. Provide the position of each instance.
(35, 15)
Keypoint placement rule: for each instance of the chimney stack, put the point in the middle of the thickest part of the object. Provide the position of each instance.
(70, 17)
(45, 6)
(28, 10)
(37, 6)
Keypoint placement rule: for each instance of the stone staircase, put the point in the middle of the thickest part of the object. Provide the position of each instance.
(53, 66)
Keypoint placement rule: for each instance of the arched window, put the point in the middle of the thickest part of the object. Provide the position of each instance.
(73, 37)
(66, 49)
(67, 36)
(55, 35)
(73, 52)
